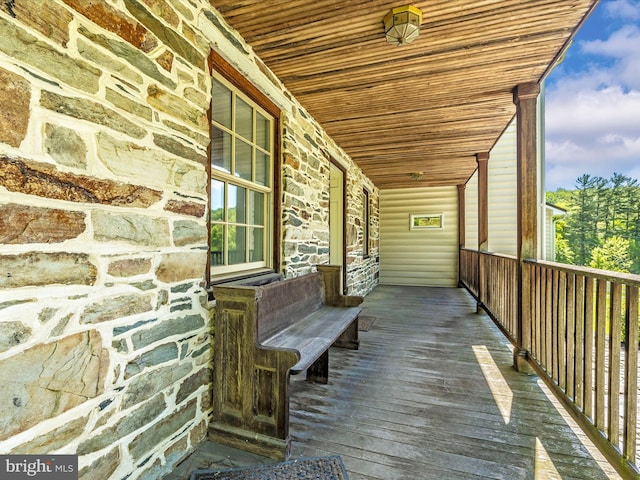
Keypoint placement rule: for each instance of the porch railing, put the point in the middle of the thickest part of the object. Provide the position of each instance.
(493, 280)
(584, 339)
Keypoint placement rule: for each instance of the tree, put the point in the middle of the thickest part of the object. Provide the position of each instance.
(612, 255)
(582, 219)
(564, 254)
(598, 209)
(562, 198)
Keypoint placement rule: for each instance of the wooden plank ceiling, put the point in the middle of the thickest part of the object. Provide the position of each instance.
(425, 107)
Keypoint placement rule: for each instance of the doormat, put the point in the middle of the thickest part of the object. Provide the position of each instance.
(315, 468)
(365, 322)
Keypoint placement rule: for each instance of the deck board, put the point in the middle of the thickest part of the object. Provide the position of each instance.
(413, 402)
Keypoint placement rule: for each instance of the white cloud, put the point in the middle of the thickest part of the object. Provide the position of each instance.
(589, 113)
(623, 46)
(593, 117)
(592, 131)
(623, 9)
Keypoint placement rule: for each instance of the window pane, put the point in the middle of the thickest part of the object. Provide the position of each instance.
(217, 244)
(256, 244)
(262, 168)
(220, 149)
(262, 132)
(243, 160)
(237, 244)
(244, 119)
(256, 208)
(217, 200)
(221, 108)
(241, 169)
(237, 204)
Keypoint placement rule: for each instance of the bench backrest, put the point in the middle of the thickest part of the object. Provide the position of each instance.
(282, 303)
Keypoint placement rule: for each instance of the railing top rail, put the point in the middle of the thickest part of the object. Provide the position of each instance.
(502, 255)
(617, 277)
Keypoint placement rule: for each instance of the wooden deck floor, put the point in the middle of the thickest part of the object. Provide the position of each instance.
(431, 394)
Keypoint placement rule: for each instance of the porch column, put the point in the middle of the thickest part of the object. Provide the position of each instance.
(482, 159)
(462, 234)
(525, 97)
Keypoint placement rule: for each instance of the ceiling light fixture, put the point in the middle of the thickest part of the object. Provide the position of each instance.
(402, 24)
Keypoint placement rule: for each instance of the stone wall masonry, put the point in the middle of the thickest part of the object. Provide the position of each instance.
(105, 337)
(307, 153)
(105, 343)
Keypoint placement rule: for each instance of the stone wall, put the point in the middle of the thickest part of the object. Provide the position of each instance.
(105, 344)
(306, 167)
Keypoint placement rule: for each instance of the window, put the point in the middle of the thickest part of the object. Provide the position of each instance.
(242, 150)
(365, 220)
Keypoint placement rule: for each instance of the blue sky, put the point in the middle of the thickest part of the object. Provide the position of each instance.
(592, 101)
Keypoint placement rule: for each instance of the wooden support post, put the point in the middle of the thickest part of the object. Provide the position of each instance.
(462, 234)
(483, 201)
(483, 222)
(525, 97)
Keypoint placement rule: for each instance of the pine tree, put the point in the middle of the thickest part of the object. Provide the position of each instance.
(599, 209)
(582, 220)
(602, 213)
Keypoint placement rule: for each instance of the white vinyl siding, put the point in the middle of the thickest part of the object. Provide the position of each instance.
(421, 257)
(503, 208)
(549, 237)
(503, 200)
(551, 213)
(471, 213)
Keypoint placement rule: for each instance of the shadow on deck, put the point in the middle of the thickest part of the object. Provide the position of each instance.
(431, 394)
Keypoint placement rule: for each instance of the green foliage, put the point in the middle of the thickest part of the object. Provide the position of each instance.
(561, 198)
(599, 209)
(612, 255)
(564, 254)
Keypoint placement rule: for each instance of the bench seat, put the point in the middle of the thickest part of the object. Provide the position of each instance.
(263, 334)
(314, 334)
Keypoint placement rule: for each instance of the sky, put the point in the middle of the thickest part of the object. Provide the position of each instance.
(592, 99)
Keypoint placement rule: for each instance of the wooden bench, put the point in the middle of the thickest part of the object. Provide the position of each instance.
(262, 335)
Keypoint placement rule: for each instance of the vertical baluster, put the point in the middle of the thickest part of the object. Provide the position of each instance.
(535, 315)
(570, 334)
(562, 330)
(631, 373)
(614, 362)
(588, 346)
(601, 330)
(502, 299)
(478, 281)
(542, 289)
(541, 315)
(493, 301)
(507, 283)
(548, 338)
(484, 267)
(554, 327)
(504, 302)
(579, 360)
(512, 303)
(496, 300)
